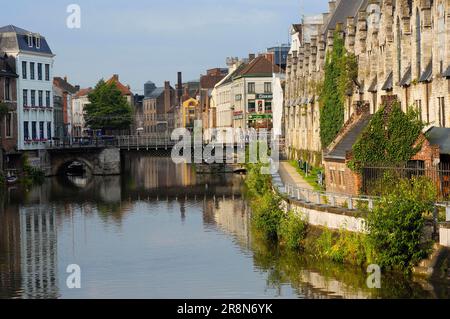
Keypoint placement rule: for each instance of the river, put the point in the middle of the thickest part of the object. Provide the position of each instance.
(161, 231)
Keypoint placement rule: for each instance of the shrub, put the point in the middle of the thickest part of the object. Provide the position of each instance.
(293, 230)
(267, 214)
(257, 184)
(396, 224)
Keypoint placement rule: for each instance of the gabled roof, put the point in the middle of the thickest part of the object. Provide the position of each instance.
(209, 81)
(13, 38)
(346, 144)
(260, 66)
(406, 80)
(389, 83)
(229, 78)
(156, 93)
(427, 74)
(64, 85)
(83, 92)
(125, 90)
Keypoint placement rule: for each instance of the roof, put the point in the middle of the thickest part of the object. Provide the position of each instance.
(13, 38)
(440, 136)
(447, 72)
(389, 84)
(344, 9)
(427, 74)
(350, 138)
(373, 86)
(406, 80)
(229, 78)
(209, 81)
(83, 92)
(260, 66)
(125, 90)
(6, 68)
(155, 94)
(64, 85)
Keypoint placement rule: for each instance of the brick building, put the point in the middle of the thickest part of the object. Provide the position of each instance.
(8, 121)
(157, 109)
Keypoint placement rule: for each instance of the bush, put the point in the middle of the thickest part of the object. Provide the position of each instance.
(396, 224)
(32, 175)
(292, 231)
(267, 214)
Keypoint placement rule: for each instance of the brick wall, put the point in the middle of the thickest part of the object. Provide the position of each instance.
(340, 179)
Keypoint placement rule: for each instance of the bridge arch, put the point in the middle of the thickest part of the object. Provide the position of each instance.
(63, 164)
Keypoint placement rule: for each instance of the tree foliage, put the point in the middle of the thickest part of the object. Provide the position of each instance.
(341, 70)
(396, 224)
(108, 109)
(389, 138)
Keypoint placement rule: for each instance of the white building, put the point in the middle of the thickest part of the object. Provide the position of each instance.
(79, 101)
(34, 64)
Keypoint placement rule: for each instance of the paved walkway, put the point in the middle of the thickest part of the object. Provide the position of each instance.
(289, 175)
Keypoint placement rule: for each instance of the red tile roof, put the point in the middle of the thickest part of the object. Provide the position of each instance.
(83, 92)
(125, 90)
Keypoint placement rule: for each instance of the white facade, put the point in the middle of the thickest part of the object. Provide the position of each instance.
(35, 115)
(78, 123)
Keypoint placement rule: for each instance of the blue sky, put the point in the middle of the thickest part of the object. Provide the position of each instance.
(153, 39)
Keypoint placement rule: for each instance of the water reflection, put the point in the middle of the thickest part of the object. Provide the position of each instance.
(159, 231)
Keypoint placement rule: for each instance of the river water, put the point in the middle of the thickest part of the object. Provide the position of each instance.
(161, 231)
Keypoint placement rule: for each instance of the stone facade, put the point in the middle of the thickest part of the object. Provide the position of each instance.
(402, 48)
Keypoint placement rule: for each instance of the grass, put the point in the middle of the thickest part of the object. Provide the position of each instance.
(311, 178)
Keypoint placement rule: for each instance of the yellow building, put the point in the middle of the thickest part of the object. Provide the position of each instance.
(188, 113)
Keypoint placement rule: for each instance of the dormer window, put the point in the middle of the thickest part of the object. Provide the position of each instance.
(38, 41)
(30, 40)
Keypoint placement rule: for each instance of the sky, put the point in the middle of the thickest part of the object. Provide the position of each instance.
(154, 39)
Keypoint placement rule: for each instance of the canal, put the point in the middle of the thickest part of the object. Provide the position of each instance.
(161, 231)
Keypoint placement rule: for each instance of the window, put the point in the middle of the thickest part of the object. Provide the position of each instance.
(40, 98)
(26, 134)
(30, 40)
(7, 89)
(47, 72)
(49, 130)
(268, 106)
(25, 98)
(32, 70)
(41, 130)
(251, 106)
(251, 88)
(33, 130)
(8, 124)
(24, 70)
(418, 104)
(47, 98)
(38, 42)
(33, 98)
(441, 36)
(268, 87)
(441, 102)
(40, 71)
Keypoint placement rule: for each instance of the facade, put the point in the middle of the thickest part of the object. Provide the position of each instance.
(63, 93)
(157, 109)
(8, 121)
(280, 54)
(403, 54)
(34, 65)
(79, 101)
(188, 113)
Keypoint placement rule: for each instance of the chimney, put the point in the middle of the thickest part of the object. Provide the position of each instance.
(77, 87)
(166, 97)
(65, 78)
(251, 57)
(332, 6)
(116, 77)
(180, 86)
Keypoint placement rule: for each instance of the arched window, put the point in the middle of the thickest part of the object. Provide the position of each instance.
(418, 44)
(399, 49)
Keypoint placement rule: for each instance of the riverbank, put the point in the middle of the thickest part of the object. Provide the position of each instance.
(389, 236)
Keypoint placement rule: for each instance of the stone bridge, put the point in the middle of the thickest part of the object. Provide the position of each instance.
(99, 160)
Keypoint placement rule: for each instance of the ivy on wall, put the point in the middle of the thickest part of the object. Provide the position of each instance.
(341, 70)
(388, 139)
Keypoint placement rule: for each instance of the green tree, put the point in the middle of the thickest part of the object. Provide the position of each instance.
(389, 138)
(108, 109)
(341, 70)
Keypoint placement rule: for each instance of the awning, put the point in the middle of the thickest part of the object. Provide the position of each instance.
(406, 79)
(389, 84)
(373, 87)
(427, 74)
